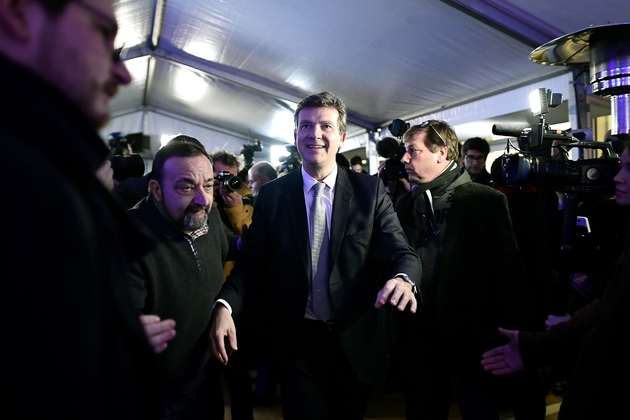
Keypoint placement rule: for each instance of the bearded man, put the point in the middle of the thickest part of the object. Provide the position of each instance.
(180, 278)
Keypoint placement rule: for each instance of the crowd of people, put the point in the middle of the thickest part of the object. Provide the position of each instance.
(139, 297)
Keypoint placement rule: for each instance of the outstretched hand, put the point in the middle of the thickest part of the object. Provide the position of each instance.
(505, 359)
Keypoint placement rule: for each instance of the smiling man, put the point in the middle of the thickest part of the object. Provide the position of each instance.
(181, 276)
(77, 348)
(326, 244)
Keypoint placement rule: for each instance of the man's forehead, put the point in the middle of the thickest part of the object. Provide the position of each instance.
(185, 166)
(319, 113)
(474, 152)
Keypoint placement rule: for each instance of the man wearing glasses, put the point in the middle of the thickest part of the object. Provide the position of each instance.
(476, 152)
(473, 279)
(74, 345)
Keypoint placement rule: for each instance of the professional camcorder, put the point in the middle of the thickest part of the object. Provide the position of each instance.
(393, 150)
(130, 166)
(291, 162)
(229, 181)
(534, 166)
(248, 152)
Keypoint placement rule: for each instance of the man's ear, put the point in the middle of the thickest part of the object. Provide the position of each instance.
(18, 17)
(156, 189)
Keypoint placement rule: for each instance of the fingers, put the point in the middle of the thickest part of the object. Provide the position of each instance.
(223, 332)
(158, 332)
(397, 293)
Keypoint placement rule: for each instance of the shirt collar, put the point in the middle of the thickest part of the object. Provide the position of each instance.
(309, 181)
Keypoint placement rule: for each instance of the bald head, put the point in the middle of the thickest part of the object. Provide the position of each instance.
(259, 175)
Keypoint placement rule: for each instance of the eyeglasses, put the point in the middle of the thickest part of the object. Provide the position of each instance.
(428, 123)
(472, 158)
(108, 27)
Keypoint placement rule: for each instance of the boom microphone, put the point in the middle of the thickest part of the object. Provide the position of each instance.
(387, 147)
(512, 130)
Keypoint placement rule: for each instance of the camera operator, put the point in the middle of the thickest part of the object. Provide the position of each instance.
(598, 331)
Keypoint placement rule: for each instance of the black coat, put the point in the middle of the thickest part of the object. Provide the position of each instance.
(367, 248)
(73, 343)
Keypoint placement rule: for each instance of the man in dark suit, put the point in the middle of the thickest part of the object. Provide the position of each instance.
(473, 280)
(329, 323)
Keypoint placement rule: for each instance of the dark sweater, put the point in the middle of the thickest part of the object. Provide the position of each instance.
(169, 282)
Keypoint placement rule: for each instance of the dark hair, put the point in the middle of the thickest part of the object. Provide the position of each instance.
(171, 150)
(227, 158)
(478, 144)
(323, 100)
(356, 160)
(433, 140)
(182, 138)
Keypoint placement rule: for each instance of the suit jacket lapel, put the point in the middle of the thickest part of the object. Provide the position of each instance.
(344, 194)
(297, 220)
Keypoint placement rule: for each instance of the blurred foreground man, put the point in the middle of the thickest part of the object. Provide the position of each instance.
(326, 246)
(74, 346)
(599, 331)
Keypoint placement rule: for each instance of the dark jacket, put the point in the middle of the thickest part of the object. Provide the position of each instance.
(367, 247)
(170, 282)
(480, 282)
(73, 341)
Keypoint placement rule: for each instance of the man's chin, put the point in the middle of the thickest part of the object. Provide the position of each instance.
(194, 221)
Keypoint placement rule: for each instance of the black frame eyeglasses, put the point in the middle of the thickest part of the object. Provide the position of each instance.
(428, 123)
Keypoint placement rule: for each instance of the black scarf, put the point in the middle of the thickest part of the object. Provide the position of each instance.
(425, 219)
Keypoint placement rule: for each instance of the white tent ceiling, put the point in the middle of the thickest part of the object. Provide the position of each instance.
(238, 67)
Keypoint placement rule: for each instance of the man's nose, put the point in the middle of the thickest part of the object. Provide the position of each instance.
(121, 73)
(203, 198)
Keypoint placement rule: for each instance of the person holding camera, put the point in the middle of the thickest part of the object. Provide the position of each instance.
(231, 196)
(474, 280)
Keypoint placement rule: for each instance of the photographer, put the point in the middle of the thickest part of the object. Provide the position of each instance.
(231, 196)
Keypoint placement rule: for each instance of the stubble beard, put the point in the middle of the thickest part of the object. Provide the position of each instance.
(194, 220)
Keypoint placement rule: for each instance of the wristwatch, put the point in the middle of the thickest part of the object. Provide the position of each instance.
(406, 279)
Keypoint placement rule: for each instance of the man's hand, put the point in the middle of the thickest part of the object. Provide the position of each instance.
(505, 359)
(222, 331)
(230, 199)
(398, 293)
(158, 332)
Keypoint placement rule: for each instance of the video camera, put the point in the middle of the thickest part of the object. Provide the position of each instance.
(532, 167)
(291, 162)
(248, 152)
(130, 166)
(393, 150)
